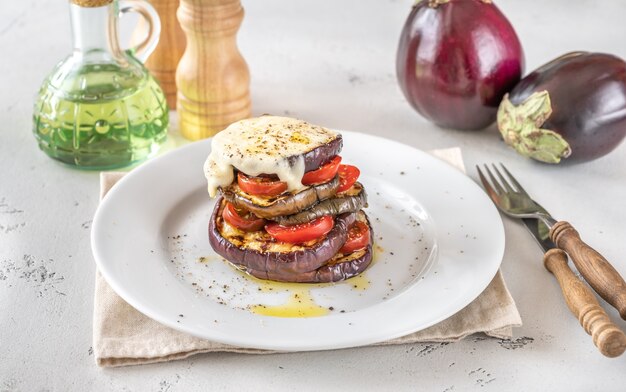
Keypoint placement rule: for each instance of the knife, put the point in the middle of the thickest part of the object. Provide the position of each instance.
(609, 339)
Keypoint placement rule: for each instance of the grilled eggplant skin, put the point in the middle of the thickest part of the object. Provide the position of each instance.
(318, 156)
(305, 259)
(287, 204)
(339, 268)
(353, 200)
(326, 274)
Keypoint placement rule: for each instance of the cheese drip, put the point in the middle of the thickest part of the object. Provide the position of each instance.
(263, 145)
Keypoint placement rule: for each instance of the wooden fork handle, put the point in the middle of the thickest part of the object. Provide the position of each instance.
(596, 270)
(609, 339)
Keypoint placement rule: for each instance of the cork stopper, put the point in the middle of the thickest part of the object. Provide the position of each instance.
(91, 3)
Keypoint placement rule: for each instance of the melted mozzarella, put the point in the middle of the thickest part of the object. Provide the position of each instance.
(262, 145)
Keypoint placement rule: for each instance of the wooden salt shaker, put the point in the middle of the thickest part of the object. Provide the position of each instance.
(212, 76)
(163, 61)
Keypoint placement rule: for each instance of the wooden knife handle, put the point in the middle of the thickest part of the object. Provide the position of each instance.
(609, 339)
(596, 270)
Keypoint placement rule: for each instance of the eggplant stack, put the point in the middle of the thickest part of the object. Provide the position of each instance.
(287, 209)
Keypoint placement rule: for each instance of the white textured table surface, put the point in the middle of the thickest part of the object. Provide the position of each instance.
(332, 63)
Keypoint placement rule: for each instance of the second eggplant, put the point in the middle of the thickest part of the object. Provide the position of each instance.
(572, 108)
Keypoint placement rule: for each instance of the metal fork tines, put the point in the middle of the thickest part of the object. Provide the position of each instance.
(509, 196)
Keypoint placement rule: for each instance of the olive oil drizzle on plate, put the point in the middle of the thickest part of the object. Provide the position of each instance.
(301, 302)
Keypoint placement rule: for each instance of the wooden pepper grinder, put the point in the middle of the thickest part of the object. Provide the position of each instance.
(163, 61)
(212, 76)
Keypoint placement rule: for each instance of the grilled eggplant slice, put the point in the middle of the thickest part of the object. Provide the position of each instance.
(320, 155)
(352, 200)
(340, 267)
(259, 251)
(285, 204)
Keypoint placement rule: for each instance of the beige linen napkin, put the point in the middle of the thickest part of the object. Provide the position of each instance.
(124, 336)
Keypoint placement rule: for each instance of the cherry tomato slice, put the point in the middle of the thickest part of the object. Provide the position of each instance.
(301, 233)
(348, 175)
(358, 238)
(247, 222)
(324, 173)
(260, 186)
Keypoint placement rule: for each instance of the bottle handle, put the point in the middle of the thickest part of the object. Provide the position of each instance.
(144, 49)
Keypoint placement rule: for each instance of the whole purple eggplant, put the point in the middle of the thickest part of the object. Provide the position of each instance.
(455, 61)
(572, 108)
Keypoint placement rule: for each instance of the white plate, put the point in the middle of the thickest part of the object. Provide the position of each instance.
(439, 243)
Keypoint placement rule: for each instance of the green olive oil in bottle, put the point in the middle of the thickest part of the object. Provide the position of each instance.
(100, 108)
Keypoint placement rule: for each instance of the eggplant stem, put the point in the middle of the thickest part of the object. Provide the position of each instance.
(521, 128)
(433, 3)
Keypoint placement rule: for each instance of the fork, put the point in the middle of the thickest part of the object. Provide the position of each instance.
(511, 198)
